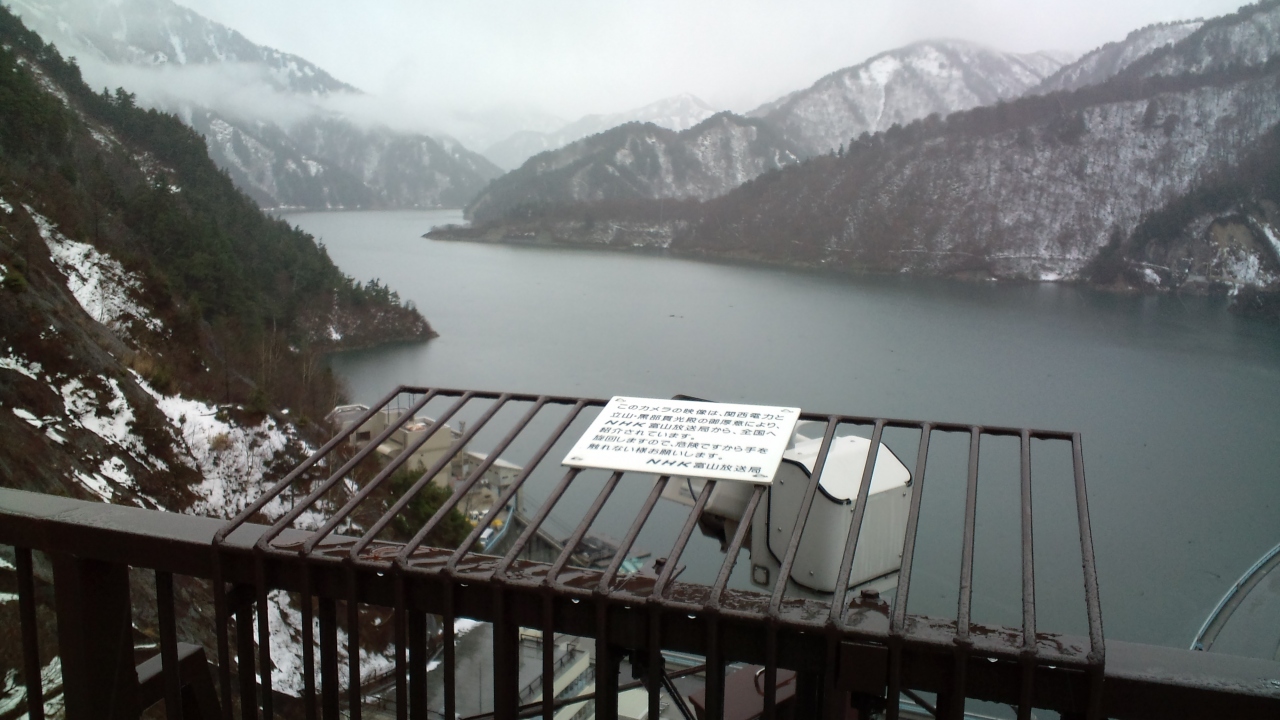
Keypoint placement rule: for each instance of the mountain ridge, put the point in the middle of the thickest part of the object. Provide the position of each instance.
(679, 112)
(899, 86)
(640, 161)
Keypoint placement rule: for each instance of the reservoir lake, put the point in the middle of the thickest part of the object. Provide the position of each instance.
(1177, 400)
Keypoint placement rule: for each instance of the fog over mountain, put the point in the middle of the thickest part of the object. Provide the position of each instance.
(468, 69)
(289, 133)
(675, 113)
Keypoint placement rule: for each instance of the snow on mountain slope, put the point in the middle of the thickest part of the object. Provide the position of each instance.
(899, 86)
(159, 32)
(675, 113)
(1034, 190)
(1249, 37)
(642, 161)
(1103, 63)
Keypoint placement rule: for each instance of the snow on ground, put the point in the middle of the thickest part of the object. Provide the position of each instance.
(20, 365)
(285, 622)
(1271, 237)
(13, 692)
(232, 459)
(461, 627)
(99, 283)
(112, 421)
(8, 209)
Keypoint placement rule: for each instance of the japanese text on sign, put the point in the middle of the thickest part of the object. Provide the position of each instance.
(686, 438)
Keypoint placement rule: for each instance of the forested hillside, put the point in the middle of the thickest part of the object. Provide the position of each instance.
(639, 161)
(131, 265)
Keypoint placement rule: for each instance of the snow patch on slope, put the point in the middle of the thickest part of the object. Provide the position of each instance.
(99, 283)
(285, 624)
(232, 459)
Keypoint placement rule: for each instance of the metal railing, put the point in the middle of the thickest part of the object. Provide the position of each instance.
(846, 651)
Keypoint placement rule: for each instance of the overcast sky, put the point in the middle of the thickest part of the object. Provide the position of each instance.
(572, 57)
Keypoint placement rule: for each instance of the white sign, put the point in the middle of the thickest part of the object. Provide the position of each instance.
(687, 438)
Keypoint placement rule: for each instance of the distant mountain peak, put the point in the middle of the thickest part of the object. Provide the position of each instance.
(901, 85)
(678, 112)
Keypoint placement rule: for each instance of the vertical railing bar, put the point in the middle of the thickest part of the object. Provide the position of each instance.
(715, 659)
(506, 656)
(964, 605)
(1028, 655)
(401, 630)
(655, 597)
(601, 593)
(448, 618)
(308, 640)
(549, 580)
(963, 613)
(1097, 646)
(653, 673)
(784, 572)
(898, 619)
(244, 661)
(548, 656)
(437, 425)
(714, 683)
(30, 632)
(222, 617)
(839, 608)
(354, 690)
(606, 705)
(418, 708)
(168, 625)
(264, 633)
(834, 700)
(771, 672)
(328, 658)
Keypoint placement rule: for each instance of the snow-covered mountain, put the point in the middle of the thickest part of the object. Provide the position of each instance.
(1248, 37)
(640, 161)
(275, 122)
(1107, 61)
(160, 33)
(902, 85)
(1164, 182)
(1163, 176)
(675, 113)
